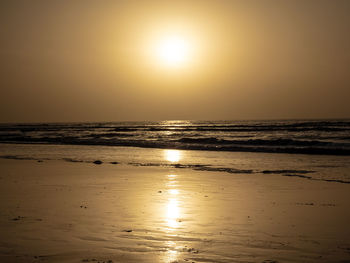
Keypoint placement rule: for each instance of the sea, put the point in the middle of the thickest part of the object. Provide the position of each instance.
(308, 149)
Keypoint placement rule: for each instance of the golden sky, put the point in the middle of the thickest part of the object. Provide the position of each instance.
(155, 60)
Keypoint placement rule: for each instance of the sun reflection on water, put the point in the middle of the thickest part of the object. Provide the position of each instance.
(172, 155)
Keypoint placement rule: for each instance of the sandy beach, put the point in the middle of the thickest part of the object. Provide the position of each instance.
(57, 211)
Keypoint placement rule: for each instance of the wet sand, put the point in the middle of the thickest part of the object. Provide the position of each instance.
(56, 211)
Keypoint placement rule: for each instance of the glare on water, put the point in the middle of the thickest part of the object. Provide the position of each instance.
(172, 155)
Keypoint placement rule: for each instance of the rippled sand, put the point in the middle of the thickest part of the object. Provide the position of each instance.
(56, 211)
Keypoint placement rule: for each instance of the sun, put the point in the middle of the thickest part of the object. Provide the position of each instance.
(173, 51)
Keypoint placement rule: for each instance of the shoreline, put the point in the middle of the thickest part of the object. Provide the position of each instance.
(213, 148)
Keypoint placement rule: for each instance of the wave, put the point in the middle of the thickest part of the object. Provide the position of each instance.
(207, 144)
(278, 141)
(201, 126)
(297, 137)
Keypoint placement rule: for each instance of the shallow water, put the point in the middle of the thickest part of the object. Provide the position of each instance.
(330, 168)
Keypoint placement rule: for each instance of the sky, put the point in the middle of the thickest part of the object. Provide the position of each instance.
(71, 60)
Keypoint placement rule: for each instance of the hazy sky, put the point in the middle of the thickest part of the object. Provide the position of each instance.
(99, 60)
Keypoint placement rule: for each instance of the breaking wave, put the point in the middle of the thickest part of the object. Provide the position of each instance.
(297, 137)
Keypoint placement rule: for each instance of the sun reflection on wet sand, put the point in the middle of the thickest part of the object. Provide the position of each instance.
(171, 176)
(173, 208)
(172, 155)
(172, 214)
(173, 191)
(172, 253)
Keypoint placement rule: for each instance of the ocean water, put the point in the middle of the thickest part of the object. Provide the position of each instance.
(309, 150)
(329, 137)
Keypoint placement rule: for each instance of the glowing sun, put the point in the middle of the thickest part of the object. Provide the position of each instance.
(173, 51)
